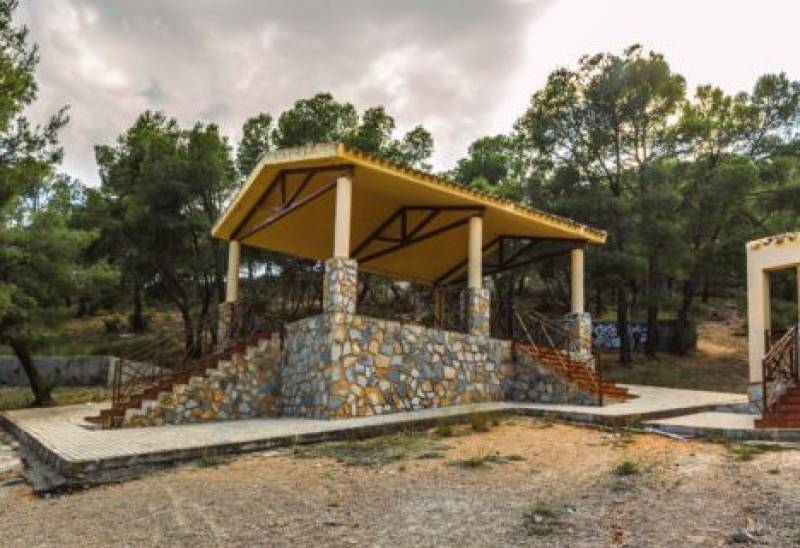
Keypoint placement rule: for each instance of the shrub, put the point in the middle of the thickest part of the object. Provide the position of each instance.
(626, 468)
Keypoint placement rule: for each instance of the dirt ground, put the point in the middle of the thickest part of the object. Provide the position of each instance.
(522, 482)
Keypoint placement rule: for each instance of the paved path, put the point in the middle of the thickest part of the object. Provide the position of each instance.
(63, 429)
(62, 439)
(737, 426)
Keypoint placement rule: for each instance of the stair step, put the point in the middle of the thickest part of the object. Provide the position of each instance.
(782, 408)
(575, 372)
(777, 423)
(198, 369)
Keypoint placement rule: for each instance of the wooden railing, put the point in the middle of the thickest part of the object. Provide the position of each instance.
(779, 368)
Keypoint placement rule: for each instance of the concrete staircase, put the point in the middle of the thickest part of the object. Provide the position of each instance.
(174, 382)
(785, 412)
(576, 372)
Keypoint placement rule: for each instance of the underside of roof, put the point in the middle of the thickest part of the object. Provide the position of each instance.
(405, 223)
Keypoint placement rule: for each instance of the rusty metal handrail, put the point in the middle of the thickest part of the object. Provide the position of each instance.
(559, 340)
(779, 369)
(161, 361)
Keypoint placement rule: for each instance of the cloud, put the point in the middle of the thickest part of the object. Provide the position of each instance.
(445, 64)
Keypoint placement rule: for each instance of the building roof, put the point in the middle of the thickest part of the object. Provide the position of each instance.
(775, 239)
(405, 223)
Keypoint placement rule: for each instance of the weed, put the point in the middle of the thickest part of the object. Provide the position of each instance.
(541, 520)
(444, 430)
(745, 452)
(479, 460)
(480, 422)
(373, 452)
(208, 460)
(483, 458)
(626, 468)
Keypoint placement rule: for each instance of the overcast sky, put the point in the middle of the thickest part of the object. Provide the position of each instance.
(463, 69)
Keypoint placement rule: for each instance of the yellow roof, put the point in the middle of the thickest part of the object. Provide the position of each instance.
(302, 178)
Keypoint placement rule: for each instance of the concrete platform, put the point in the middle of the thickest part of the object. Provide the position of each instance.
(64, 450)
(732, 426)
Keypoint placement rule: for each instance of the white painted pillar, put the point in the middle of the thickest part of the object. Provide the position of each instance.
(758, 318)
(797, 282)
(232, 289)
(576, 281)
(341, 234)
(475, 253)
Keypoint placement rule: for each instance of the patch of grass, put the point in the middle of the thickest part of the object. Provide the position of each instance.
(480, 422)
(621, 438)
(19, 397)
(541, 519)
(444, 430)
(544, 422)
(484, 458)
(211, 461)
(700, 370)
(626, 468)
(377, 451)
(745, 452)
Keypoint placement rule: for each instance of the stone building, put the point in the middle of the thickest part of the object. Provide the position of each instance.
(359, 213)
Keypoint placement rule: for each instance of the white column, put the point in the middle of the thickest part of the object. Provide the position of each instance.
(475, 253)
(234, 252)
(576, 280)
(341, 234)
(797, 281)
(758, 317)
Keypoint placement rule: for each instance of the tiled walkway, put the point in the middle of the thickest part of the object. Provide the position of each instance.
(62, 431)
(736, 426)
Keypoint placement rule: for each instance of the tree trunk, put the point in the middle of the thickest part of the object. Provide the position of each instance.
(625, 357)
(137, 318)
(41, 390)
(188, 332)
(651, 344)
(682, 323)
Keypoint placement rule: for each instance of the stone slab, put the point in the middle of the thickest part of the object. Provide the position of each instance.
(77, 453)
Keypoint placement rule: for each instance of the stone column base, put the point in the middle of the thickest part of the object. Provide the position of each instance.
(579, 327)
(477, 306)
(224, 324)
(340, 286)
(755, 392)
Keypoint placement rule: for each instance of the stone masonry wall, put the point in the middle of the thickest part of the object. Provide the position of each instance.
(340, 285)
(343, 365)
(478, 311)
(527, 380)
(247, 385)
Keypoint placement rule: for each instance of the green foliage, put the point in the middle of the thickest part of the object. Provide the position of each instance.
(254, 143)
(627, 468)
(492, 166)
(321, 119)
(163, 187)
(376, 452)
(40, 248)
(678, 182)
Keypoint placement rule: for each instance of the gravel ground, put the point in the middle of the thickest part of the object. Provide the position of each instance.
(524, 482)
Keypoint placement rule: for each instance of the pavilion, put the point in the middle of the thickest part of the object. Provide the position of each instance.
(356, 212)
(329, 201)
